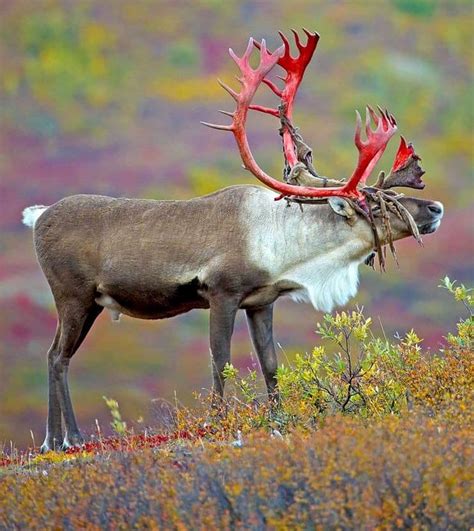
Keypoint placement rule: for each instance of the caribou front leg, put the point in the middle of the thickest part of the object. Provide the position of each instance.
(223, 310)
(260, 322)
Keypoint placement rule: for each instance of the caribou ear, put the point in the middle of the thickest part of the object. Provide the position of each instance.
(341, 207)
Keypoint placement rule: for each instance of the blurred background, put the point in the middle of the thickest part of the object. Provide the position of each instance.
(106, 97)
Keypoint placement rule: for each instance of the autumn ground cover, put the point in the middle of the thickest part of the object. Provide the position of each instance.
(369, 434)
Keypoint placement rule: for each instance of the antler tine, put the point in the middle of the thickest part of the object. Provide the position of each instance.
(358, 128)
(286, 44)
(266, 110)
(389, 116)
(272, 85)
(263, 51)
(297, 40)
(248, 51)
(372, 149)
(404, 152)
(227, 113)
(244, 60)
(219, 127)
(383, 112)
(370, 114)
(228, 89)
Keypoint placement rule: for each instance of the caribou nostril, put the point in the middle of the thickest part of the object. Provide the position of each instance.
(436, 208)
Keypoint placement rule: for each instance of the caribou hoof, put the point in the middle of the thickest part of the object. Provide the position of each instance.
(45, 448)
(72, 441)
(51, 444)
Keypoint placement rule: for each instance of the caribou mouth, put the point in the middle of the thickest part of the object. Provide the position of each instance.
(428, 228)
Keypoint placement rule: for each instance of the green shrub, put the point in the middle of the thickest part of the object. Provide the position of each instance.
(355, 373)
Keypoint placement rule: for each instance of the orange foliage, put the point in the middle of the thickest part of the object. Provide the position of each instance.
(395, 473)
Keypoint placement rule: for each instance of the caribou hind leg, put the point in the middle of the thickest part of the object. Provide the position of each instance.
(260, 323)
(75, 322)
(54, 433)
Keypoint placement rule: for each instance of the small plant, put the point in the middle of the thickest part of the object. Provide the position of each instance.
(465, 335)
(118, 424)
(246, 385)
(460, 293)
(230, 373)
(348, 374)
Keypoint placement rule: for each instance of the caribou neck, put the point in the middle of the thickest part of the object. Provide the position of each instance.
(311, 249)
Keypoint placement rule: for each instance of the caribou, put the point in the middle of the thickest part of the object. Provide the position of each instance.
(241, 247)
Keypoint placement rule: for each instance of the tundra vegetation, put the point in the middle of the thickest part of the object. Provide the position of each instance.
(370, 433)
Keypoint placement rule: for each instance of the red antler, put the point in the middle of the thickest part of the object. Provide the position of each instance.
(250, 80)
(370, 150)
(295, 68)
(403, 154)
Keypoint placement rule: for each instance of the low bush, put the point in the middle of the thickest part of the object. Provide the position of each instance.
(398, 472)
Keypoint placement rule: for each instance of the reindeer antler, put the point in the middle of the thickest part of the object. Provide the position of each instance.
(370, 150)
(295, 68)
(250, 80)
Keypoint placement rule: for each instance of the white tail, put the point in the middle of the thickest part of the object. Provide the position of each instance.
(32, 213)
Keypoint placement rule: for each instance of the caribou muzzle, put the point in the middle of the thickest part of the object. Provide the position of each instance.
(434, 211)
